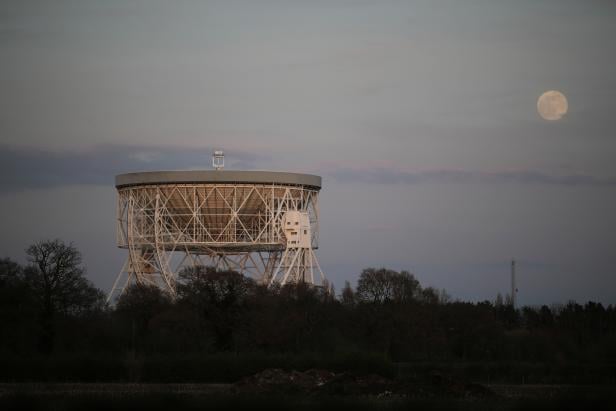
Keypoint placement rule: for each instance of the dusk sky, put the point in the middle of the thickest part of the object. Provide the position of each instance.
(421, 117)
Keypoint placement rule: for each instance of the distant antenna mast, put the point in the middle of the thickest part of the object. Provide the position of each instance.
(218, 160)
(513, 289)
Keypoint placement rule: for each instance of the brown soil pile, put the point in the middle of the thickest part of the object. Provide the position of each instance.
(277, 381)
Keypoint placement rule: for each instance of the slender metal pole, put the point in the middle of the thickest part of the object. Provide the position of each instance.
(513, 289)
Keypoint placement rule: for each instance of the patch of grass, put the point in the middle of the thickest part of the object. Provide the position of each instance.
(579, 398)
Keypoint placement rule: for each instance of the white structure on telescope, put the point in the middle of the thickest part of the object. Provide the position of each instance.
(218, 160)
(260, 223)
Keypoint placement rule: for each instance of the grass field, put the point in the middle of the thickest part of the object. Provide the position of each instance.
(221, 396)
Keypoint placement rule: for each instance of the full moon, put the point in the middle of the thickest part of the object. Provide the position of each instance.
(552, 105)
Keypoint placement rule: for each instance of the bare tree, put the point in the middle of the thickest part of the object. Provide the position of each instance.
(56, 278)
(383, 285)
(218, 297)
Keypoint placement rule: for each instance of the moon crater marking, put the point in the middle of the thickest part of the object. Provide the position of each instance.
(552, 105)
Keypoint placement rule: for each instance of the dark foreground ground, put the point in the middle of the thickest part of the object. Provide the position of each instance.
(275, 389)
(594, 399)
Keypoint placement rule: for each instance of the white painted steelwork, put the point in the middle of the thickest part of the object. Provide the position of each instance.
(264, 225)
(218, 160)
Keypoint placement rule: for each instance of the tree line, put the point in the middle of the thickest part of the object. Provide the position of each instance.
(48, 308)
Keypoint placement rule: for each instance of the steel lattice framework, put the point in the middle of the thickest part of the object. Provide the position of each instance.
(264, 225)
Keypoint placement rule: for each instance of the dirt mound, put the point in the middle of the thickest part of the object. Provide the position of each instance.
(352, 384)
(447, 386)
(315, 381)
(275, 380)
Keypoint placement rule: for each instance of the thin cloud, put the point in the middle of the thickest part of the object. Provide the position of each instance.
(27, 168)
(394, 176)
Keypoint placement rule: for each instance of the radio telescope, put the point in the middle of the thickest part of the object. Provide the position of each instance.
(260, 223)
